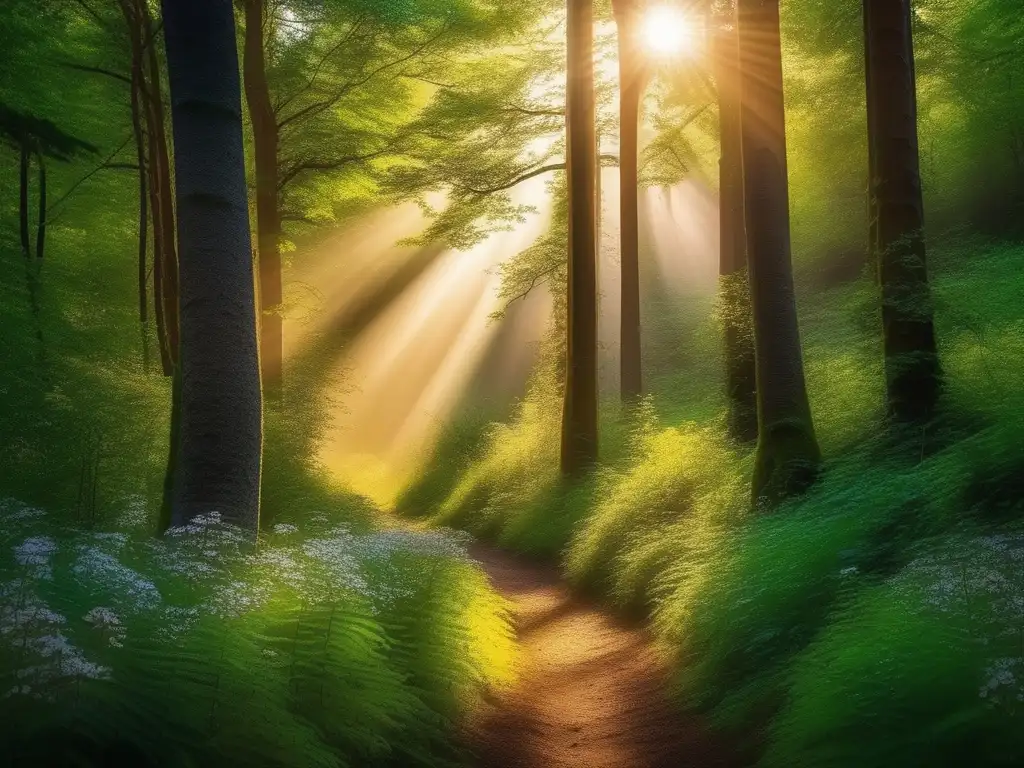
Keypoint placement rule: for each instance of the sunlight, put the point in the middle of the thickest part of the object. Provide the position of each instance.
(667, 32)
(413, 331)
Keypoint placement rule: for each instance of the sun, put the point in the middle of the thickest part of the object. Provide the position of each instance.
(667, 32)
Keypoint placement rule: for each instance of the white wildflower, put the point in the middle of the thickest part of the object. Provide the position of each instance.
(35, 553)
(94, 566)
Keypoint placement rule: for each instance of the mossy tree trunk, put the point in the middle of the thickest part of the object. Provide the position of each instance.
(912, 369)
(734, 284)
(788, 456)
(219, 443)
(631, 84)
(579, 412)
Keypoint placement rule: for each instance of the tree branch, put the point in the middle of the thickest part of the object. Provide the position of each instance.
(537, 280)
(325, 165)
(105, 164)
(319, 106)
(316, 70)
(612, 161)
(96, 70)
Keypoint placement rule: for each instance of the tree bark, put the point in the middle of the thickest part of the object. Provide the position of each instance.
(912, 369)
(140, 153)
(631, 85)
(734, 288)
(579, 412)
(162, 197)
(872, 162)
(41, 223)
(788, 456)
(26, 247)
(268, 222)
(220, 422)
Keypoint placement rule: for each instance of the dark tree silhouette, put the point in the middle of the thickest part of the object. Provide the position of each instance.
(30, 135)
(219, 440)
(579, 414)
(912, 370)
(787, 450)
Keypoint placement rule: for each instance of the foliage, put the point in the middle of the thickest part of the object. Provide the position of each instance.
(318, 647)
(885, 601)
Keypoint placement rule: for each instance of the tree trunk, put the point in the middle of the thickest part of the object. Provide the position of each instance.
(41, 223)
(734, 287)
(787, 451)
(268, 223)
(579, 413)
(872, 163)
(912, 370)
(631, 84)
(162, 196)
(26, 247)
(220, 421)
(140, 154)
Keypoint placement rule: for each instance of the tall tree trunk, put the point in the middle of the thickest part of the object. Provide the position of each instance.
(26, 246)
(912, 370)
(872, 161)
(140, 154)
(41, 223)
(220, 438)
(268, 223)
(734, 285)
(160, 182)
(787, 451)
(579, 413)
(631, 85)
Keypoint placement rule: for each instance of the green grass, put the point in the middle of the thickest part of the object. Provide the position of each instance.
(808, 632)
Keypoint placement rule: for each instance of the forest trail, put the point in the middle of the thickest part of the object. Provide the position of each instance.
(591, 692)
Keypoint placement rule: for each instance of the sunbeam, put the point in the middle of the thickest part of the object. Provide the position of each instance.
(414, 328)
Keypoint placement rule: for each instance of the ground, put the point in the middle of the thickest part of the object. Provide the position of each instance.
(592, 690)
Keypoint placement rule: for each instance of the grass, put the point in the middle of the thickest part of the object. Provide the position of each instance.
(810, 633)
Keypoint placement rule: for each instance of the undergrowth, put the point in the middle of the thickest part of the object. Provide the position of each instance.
(315, 647)
(877, 621)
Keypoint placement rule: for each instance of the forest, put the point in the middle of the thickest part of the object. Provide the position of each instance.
(468, 383)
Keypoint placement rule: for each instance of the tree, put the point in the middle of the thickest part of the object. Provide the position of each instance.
(734, 292)
(268, 223)
(302, 61)
(219, 441)
(631, 84)
(31, 135)
(579, 414)
(153, 164)
(788, 456)
(912, 369)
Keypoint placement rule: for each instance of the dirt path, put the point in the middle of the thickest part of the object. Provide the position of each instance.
(591, 691)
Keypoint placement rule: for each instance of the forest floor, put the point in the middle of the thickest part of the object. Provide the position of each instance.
(592, 692)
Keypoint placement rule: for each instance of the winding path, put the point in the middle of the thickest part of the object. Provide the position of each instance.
(591, 693)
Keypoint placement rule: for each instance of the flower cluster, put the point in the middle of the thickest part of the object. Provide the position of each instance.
(204, 568)
(981, 578)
